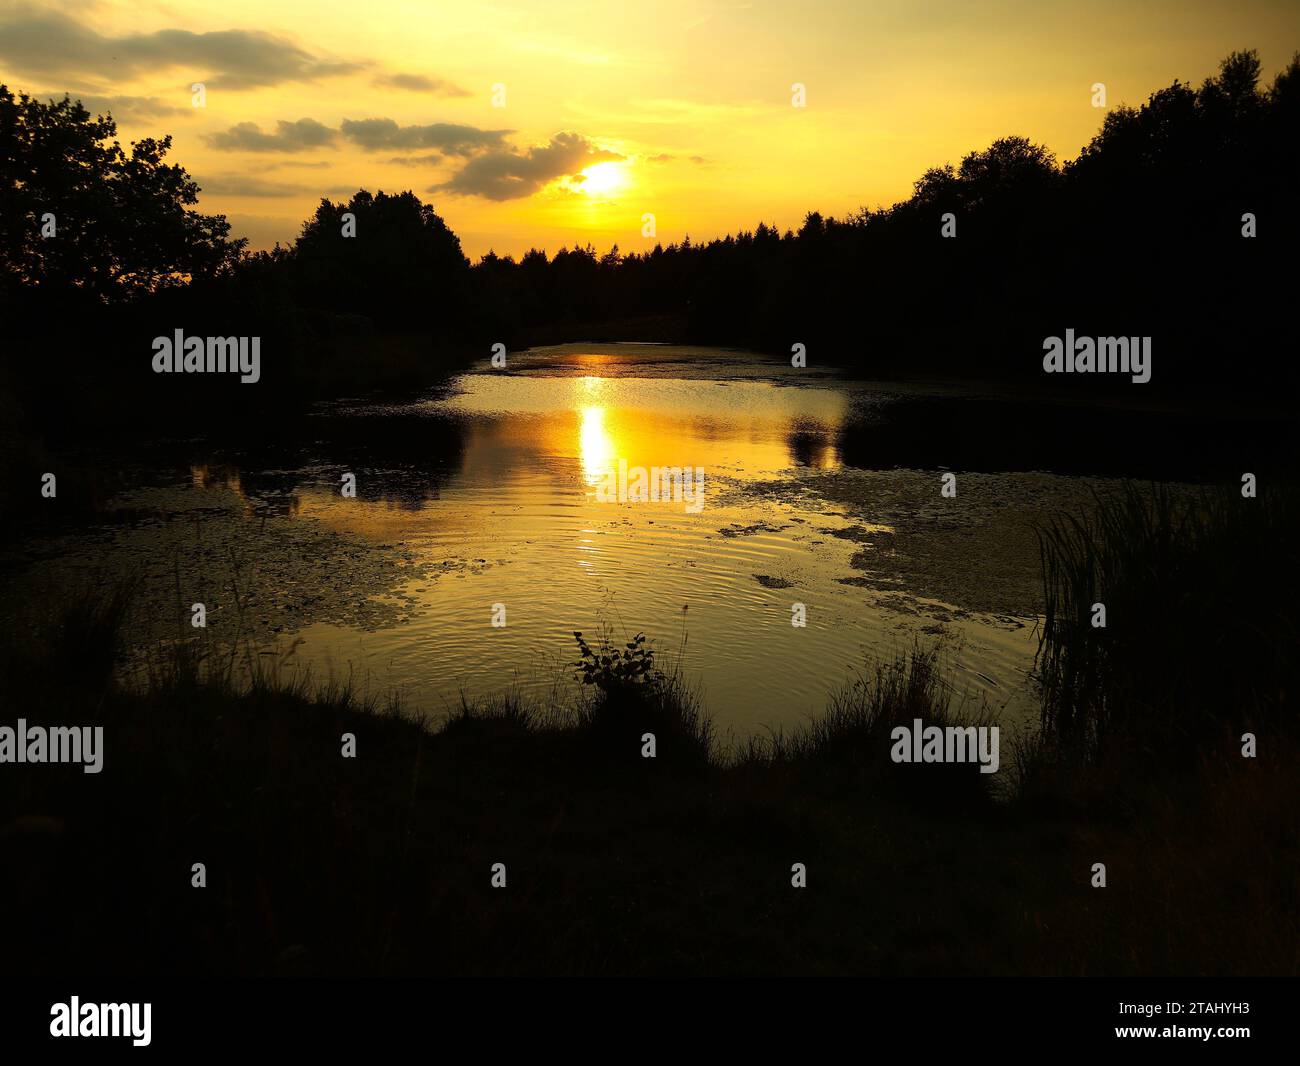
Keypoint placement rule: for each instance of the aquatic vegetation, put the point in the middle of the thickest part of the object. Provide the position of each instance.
(1200, 627)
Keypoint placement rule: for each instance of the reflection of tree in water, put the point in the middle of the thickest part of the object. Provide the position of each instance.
(399, 460)
(1042, 433)
(264, 492)
(811, 444)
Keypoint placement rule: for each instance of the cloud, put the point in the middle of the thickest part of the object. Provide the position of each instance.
(507, 174)
(415, 160)
(288, 137)
(668, 157)
(122, 107)
(418, 83)
(281, 164)
(449, 137)
(51, 45)
(244, 185)
(264, 231)
(371, 134)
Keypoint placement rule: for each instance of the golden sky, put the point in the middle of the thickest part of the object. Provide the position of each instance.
(678, 108)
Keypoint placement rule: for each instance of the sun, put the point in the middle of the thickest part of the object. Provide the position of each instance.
(601, 179)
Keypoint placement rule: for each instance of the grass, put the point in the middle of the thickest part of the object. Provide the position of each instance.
(1141, 748)
(850, 744)
(681, 864)
(1202, 599)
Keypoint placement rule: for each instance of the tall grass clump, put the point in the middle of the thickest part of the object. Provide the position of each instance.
(58, 643)
(851, 743)
(1201, 591)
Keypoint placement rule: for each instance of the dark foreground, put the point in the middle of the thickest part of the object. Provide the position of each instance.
(383, 863)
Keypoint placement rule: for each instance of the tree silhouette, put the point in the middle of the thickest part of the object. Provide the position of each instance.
(122, 223)
(403, 265)
(1142, 234)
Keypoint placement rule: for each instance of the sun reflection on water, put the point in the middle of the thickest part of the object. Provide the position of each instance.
(596, 446)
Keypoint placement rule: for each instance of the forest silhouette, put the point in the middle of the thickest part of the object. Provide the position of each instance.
(1143, 234)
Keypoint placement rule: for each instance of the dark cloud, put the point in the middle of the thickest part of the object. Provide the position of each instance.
(283, 164)
(288, 137)
(244, 185)
(51, 44)
(123, 107)
(448, 137)
(418, 83)
(415, 160)
(507, 174)
(371, 134)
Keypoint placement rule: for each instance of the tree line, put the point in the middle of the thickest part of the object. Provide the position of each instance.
(1177, 221)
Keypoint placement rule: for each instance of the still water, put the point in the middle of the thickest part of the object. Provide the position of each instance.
(492, 504)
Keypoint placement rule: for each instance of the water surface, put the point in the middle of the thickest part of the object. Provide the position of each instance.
(489, 493)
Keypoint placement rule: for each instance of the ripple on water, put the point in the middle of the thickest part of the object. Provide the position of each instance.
(396, 587)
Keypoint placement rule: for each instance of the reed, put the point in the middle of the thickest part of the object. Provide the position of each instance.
(1200, 594)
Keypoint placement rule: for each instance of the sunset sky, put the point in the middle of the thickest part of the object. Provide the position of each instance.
(611, 110)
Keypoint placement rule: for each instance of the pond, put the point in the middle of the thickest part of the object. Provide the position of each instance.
(498, 515)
